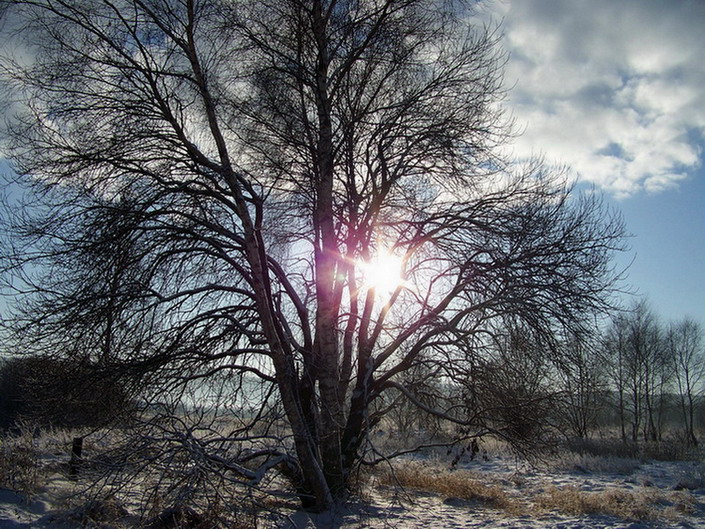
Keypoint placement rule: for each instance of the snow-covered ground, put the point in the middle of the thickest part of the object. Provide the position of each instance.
(679, 489)
(418, 510)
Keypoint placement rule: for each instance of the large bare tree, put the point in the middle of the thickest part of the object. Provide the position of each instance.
(216, 184)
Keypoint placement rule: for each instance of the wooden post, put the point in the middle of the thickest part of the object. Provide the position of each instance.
(76, 450)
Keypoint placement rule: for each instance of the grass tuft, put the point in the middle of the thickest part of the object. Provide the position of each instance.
(451, 484)
(19, 464)
(642, 504)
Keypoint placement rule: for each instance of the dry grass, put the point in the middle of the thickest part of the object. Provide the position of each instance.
(642, 504)
(19, 464)
(456, 484)
(573, 462)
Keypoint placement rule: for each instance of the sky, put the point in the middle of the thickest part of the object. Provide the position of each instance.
(615, 90)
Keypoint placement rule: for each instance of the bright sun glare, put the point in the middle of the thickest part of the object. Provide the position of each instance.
(383, 273)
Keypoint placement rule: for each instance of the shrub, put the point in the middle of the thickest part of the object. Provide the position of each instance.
(609, 447)
(667, 450)
(572, 462)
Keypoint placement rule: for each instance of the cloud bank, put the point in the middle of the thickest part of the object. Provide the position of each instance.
(614, 90)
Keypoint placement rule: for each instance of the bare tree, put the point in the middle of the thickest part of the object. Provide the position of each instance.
(649, 348)
(581, 375)
(211, 181)
(640, 370)
(685, 349)
(614, 351)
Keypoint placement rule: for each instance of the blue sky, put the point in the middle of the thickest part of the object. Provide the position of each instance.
(615, 90)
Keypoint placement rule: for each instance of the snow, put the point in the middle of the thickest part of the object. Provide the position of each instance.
(428, 511)
(385, 507)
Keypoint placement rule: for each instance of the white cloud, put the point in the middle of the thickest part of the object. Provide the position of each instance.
(615, 90)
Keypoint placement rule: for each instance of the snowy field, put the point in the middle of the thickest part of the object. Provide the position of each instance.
(568, 492)
(676, 486)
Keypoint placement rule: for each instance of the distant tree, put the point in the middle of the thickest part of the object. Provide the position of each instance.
(46, 391)
(615, 354)
(640, 370)
(687, 352)
(581, 377)
(647, 339)
(216, 184)
(12, 406)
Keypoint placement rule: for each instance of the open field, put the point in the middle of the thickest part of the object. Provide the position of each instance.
(566, 490)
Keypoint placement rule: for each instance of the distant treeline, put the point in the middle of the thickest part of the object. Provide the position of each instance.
(51, 392)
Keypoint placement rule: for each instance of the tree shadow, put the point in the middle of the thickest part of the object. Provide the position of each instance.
(352, 514)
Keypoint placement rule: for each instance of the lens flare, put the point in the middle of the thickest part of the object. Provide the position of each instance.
(383, 273)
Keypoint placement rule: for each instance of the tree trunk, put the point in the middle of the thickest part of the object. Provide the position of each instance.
(689, 423)
(326, 353)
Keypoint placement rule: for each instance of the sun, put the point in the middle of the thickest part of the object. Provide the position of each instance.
(383, 273)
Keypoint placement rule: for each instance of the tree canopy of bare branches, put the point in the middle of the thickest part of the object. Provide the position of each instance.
(208, 180)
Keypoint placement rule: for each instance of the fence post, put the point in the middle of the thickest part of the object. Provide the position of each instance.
(76, 450)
